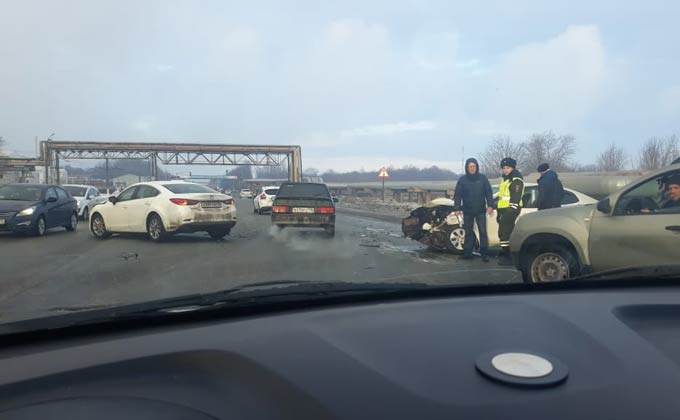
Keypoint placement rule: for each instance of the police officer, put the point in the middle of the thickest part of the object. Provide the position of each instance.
(510, 194)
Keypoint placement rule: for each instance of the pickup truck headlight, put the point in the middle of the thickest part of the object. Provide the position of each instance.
(26, 212)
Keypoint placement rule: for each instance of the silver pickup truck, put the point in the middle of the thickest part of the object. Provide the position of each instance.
(636, 226)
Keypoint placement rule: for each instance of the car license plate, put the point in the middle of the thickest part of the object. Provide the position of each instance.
(211, 204)
(303, 210)
(2, 222)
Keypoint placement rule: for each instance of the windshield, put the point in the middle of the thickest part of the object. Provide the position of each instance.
(20, 193)
(438, 143)
(76, 191)
(188, 188)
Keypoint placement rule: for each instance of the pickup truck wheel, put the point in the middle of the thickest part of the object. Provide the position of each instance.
(455, 239)
(551, 263)
(330, 230)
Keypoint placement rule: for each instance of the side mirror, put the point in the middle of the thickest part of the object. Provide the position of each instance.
(336, 200)
(604, 206)
(112, 199)
(51, 200)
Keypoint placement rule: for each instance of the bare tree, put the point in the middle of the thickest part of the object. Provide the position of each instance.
(612, 159)
(501, 147)
(659, 152)
(549, 148)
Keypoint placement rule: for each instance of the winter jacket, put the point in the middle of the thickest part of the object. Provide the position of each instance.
(473, 192)
(550, 191)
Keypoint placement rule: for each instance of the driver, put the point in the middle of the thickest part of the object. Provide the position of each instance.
(673, 185)
(673, 202)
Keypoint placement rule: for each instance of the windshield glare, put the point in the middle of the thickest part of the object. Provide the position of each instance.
(436, 143)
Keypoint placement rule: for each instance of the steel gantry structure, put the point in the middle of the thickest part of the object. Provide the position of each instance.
(173, 154)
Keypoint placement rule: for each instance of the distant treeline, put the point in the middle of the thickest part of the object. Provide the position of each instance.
(117, 167)
(406, 173)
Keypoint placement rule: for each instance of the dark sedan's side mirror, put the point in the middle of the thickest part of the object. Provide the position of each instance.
(604, 206)
(51, 200)
(112, 199)
(336, 200)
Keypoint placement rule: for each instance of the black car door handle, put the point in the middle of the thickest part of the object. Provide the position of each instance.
(673, 228)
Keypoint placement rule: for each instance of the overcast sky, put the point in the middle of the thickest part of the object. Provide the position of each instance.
(355, 84)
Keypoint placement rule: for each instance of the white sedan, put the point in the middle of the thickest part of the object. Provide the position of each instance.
(529, 205)
(264, 198)
(164, 208)
(86, 196)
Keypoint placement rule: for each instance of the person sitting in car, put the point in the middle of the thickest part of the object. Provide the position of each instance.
(672, 204)
(673, 185)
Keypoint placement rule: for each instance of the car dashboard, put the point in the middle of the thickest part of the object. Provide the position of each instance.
(618, 348)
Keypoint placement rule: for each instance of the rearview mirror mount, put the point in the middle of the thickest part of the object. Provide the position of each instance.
(604, 206)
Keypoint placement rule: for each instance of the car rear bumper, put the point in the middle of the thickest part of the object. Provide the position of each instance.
(204, 226)
(303, 220)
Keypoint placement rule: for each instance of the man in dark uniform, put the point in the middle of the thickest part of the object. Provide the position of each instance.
(474, 191)
(510, 194)
(550, 189)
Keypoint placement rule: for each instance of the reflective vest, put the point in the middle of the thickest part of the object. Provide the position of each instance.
(504, 193)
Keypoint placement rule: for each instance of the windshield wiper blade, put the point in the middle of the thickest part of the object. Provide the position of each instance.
(639, 272)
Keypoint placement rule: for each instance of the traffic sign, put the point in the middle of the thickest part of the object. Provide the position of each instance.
(383, 173)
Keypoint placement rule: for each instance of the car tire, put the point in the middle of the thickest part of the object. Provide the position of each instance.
(455, 239)
(40, 228)
(156, 229)
(73, 223)
(330, 230)
(550, 263)
(219, 233)
(98, 227)
(86, 213)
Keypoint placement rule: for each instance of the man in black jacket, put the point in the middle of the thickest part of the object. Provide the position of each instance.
(550, 189)
(474, 191)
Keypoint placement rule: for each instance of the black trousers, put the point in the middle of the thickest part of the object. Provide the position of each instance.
(469, 220)
(506, 224)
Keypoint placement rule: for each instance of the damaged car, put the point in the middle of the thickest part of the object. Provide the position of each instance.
(436, 225)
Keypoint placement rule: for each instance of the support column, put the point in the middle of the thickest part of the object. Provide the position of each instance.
(56, 161)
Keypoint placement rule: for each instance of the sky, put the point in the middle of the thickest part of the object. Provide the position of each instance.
(358, 85)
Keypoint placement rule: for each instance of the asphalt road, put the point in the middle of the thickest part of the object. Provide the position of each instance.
(69, 271)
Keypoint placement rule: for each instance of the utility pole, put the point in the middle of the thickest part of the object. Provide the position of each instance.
(107, 172)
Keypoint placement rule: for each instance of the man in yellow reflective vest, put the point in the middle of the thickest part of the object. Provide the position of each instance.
(510, 194)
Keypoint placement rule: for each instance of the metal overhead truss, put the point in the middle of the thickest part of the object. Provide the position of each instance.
(176, 154)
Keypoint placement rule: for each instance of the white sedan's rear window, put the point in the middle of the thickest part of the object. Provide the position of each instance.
(188, 188)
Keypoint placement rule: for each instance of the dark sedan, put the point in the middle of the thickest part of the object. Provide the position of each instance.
(35, 208)
(304, 204)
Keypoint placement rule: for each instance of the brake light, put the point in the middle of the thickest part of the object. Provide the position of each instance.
(263, 196)
(183, 201)
(229, 202)
(280, 209)
(325, 210)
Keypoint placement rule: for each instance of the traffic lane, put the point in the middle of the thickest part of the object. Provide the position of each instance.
(71, 271)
